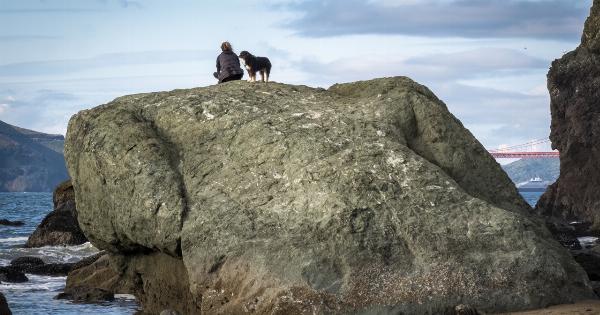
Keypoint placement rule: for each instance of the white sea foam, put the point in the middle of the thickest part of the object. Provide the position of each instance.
(50, 254)
(587, 240)
(22, 239)
(37, 283)
(130, 297)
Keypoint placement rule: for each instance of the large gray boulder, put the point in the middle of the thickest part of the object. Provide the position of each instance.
(368, 197)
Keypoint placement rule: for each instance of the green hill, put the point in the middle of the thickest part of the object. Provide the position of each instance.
(524, 169)
(30, 160)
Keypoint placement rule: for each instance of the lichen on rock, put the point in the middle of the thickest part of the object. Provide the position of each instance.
(367, 197)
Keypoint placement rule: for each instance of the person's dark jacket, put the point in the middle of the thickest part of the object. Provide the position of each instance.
(228, 64)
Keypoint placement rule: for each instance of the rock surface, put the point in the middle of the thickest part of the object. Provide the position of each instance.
(37, 266)
(59, 227)
(86, 294)
(12, 274)
(368, 197)
(30, 160)
(574, 85)
(97, 272)
(4, 309)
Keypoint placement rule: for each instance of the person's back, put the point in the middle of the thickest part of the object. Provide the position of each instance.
(228, 65)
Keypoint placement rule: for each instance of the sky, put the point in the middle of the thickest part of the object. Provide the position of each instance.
(486, 59)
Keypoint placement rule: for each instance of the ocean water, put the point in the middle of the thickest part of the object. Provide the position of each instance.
(531, 197)
(37, 295)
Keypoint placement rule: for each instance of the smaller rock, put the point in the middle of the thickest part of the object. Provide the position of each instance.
(11, 223)
(169, 312)
(11, 274)
(26, 261)
(590, 261)
(59, 227)
(86, 295)
(98, 273)
(61, 269)
(35, 265)
(86, 261)
(4, 309)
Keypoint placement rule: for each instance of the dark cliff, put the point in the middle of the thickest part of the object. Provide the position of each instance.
(30, 160)
(574, 85)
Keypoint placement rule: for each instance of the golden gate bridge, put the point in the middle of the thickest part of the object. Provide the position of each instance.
(526, 150)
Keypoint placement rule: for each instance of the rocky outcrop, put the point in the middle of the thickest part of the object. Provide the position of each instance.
(37, 266)
(86, 294)
(11, 274)
(30, 160)
(4, 309)
(98, 272)
(574, 85)
(59, 227)
(368, 197)
(11, 223)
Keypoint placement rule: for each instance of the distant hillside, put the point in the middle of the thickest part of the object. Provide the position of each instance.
(54, 142)
(30, 160)
(524, 169)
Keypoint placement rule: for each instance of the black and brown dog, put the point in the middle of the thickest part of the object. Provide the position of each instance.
(256, 64)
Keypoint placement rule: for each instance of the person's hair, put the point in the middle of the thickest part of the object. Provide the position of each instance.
(226, 46)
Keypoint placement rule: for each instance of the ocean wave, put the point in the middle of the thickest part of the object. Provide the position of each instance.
(21, 239)
(50, 254)
(121, 296)
(587, 240)
(37, 283)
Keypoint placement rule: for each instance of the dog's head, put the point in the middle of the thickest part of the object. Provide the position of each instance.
(245, 55)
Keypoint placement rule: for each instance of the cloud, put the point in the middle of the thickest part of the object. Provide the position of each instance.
(46, 10)
(57, 67)
(482, 59)
(467, 64)
(548, 19)
(15, 38)
(40, 110)
(55, 6)
(493, 115)
(129, 3)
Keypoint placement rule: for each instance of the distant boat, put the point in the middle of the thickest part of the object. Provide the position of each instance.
(535, 184)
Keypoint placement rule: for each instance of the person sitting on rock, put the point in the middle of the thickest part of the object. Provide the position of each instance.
(228, 65)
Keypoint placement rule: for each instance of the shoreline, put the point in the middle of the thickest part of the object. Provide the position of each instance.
(585, 307)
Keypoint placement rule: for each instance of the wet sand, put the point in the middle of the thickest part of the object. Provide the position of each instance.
(580, 308)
